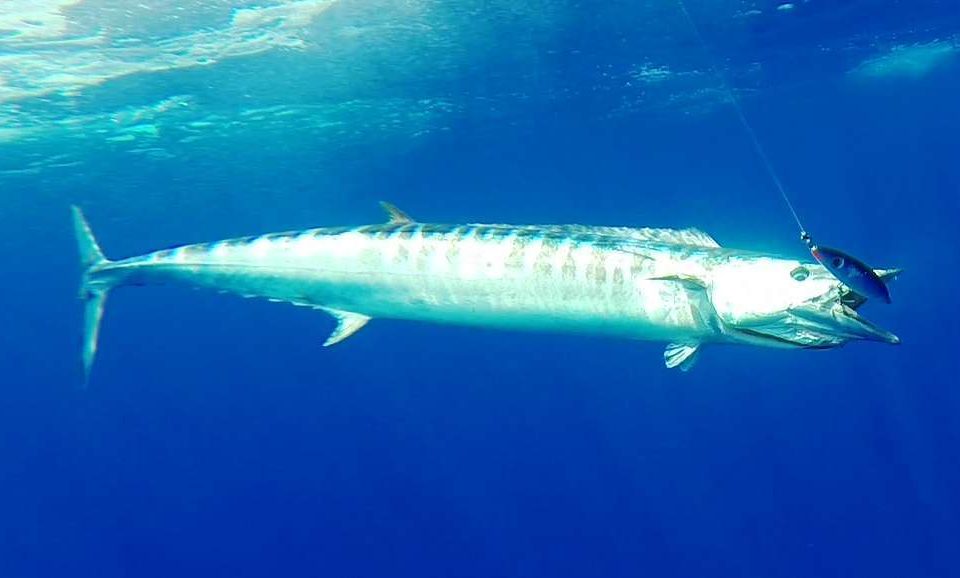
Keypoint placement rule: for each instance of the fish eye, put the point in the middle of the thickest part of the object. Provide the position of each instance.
(800, 273)
(837, 262)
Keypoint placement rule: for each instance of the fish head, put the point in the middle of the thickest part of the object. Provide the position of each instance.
(788, 303)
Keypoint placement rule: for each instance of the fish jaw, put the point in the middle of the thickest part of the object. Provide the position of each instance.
(811, 327)
(844, 322)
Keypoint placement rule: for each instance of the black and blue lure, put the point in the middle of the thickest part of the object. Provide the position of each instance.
(849, 270)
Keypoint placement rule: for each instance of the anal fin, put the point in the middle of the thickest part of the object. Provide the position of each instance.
(682, 355)
(347, 324)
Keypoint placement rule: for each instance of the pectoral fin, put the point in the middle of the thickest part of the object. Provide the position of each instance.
(682, 355)
(701, 308)
(689, 281)
(347, 324)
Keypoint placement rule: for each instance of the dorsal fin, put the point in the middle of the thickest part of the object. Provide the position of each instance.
(698, 237)
(694, 237)
(396, 215)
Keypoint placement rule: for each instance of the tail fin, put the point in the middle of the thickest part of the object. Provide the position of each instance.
(93, 294)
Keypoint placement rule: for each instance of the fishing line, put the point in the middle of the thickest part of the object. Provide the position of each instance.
(757, 147)
(847, 269)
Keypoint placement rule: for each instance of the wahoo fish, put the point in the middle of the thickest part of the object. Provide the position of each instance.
(677, 286)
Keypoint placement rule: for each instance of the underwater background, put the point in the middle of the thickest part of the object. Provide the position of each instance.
(218, 438)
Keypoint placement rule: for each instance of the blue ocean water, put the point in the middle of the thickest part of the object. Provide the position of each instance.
(218, 438)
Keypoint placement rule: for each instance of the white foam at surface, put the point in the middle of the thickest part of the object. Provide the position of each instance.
(176, 125)
(31, 20)
(40, 57)
(367, 70)
(908, 61)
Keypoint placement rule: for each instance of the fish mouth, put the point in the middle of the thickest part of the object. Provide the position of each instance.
(861, 328)
(821, 323)
(842, 322)
(824, 323)
(865, 329)
(835, 317)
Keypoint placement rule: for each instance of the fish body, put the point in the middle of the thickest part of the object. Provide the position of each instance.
(677, 286)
